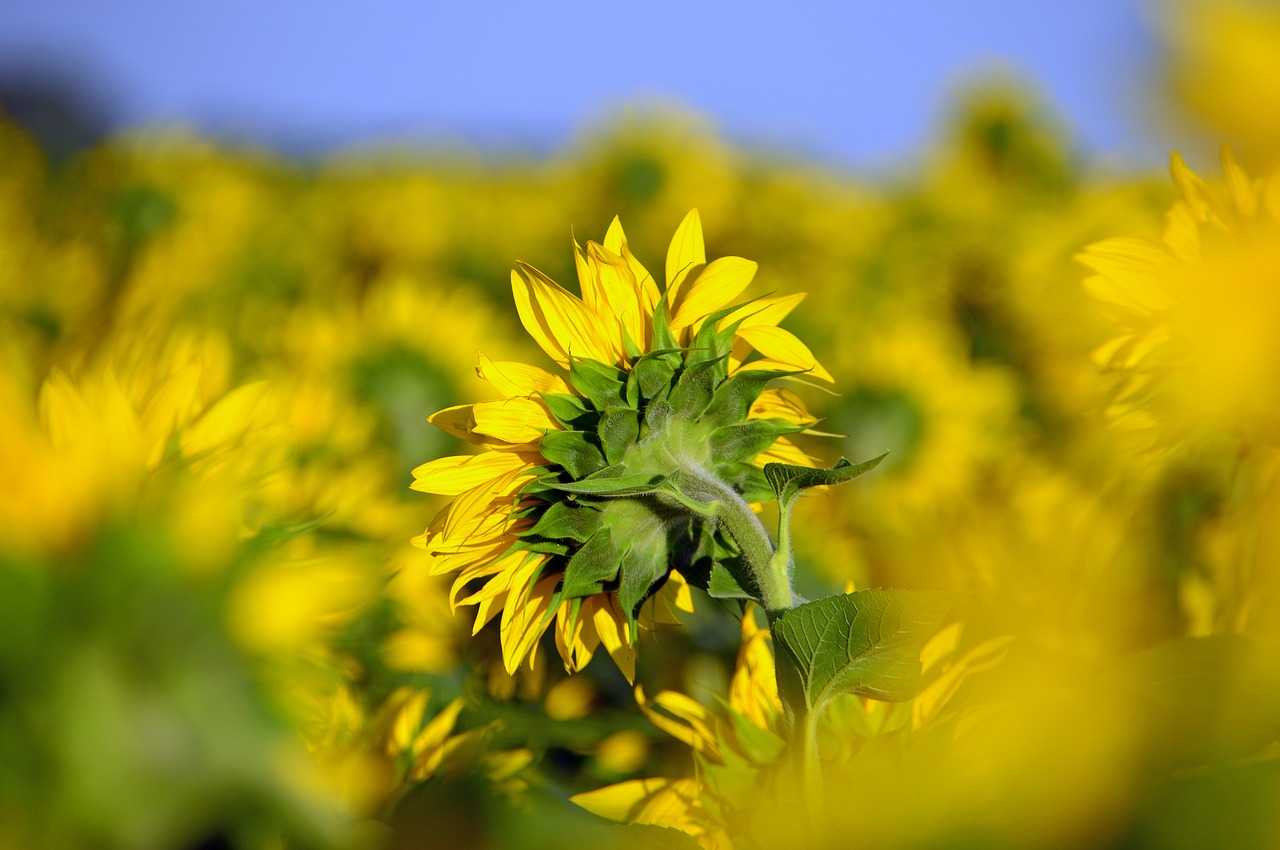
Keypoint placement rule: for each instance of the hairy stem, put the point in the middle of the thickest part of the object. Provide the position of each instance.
(744, 527)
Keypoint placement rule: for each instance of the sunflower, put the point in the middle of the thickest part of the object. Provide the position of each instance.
(594, 501)
(1197, 353)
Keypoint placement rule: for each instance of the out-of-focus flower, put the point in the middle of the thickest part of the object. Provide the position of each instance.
(1197, 356)
(1223, 66)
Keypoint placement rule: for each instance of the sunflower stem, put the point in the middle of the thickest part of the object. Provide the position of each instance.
(770, 567)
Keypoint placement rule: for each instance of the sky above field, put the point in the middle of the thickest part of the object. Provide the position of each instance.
(855, 82)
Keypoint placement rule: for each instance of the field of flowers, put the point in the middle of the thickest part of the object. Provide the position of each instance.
(216, 371)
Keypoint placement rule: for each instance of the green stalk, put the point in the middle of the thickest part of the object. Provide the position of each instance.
(772, 576)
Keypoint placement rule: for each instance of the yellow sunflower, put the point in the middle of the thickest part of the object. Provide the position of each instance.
(602, 493)
(1198, 313)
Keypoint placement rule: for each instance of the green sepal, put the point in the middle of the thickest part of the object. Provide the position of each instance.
(617, 486)
(619, 429)
(544, 483)
(566, 521)
(593, 565)
(866, 643)
(571, 411)
(787, 480)
(761, 746)
(663, 338)
(735, 395)
(708, 344)
(637, 579)
(629, 346)
(574, 450)
(604, 385)
(542, 546)
(748, 479)
(694, 390)
(747, 439)
(652, 373)
(730, 579)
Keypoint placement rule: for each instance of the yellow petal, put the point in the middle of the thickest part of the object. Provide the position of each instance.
(783, 347)
(682, 718)
(1238, 184)
(513, 420)
(450, 476)
(618, 802)
(523, 621)
(616, 241)
(719, 283)
(763, 311)
(518, 379)
(557, 319)
(534, 319)
(613, 633)
(685, 254)
(781, 403)
(621, 298)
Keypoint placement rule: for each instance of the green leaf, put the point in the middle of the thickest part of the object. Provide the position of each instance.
(566, 521)
(574, 450)
(591, 566)
(866, 643)
(748, 439)
(571, 411)
(619, 429)
(604, 385)
(624, 485)
(787, 480)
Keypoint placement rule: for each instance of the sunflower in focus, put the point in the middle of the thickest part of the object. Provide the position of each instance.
(1198, 313)
(589, 504)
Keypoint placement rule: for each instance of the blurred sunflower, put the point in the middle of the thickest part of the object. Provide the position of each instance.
(1197, 351)
(597, 494)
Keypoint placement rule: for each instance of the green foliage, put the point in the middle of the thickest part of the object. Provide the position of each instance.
(866, 643)
(788, 480)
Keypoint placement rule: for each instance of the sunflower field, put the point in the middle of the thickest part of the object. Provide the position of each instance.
(654, 493)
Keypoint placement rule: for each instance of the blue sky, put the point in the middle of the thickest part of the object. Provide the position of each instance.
(854, 82)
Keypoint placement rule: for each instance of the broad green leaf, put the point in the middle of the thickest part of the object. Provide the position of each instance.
(866, 643)
(748, 439)
(566, 521)
(625, 485)
(591, 566)
(787, 480)
(574, 450)
(619, 429)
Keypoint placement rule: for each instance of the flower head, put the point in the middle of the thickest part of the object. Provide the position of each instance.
(1198, 349)
(587, 503)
